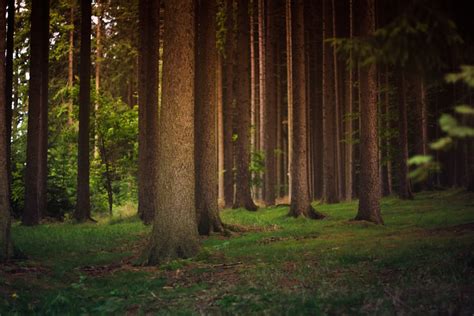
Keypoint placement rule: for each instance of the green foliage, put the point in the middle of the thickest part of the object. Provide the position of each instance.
(257, 168)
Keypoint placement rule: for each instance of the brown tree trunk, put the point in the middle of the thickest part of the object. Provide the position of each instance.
(83, 206)
(148, 107)
(289, 80)
(37, 137)
(6, 249)
(98, 62)
(220, 129)
(421, 147)
(9, 83)
(329, 108)
(228, 109)
(404, 188)
(269, 104)
(348, 126)
(207, 211)
(299, 167)
(369, 192)
(387, 166)
(70, 73)
(175, 232)
(243, 198)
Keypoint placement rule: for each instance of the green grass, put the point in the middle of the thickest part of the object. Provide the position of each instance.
(420, 262)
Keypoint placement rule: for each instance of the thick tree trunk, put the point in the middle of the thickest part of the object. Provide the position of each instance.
(83, 207)
(37, 137)
(228, 109)
(269, 106)
(6, 249)
(207, 211)
(329, 108)
(369, 192)
(175, 232)
(300, 195)
(220, 129)
(404, 188)
(148, 107)
(243, 198)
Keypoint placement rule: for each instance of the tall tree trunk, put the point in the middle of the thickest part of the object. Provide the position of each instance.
(6, 249)
(9, 84)
(148, 107)
(404, 188)
(338, 103)
(421, 147)
(329, 108)
(228, 109)
(207, 210)
(220, 129)
(387, 166)
(369, 192)
(98, 62)
(70, 73)
(37, 137)
(243, 198)
(269, 103)
(175, 232)
(83, 206)
(299, 166)
(348, 126)
(289, 80)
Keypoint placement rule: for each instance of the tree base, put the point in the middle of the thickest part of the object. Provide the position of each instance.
(248, 205)
(308, 212)
(162, 252)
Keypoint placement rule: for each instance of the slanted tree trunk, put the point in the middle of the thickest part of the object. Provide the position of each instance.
(269, 106)
(404, 187)
(207, 210)
(243, 198)
(299, 165)
(228, 110)
(83, 206)
(175, 232)
(369, 192)
(6, 249)
(329, 108)
(148, 107)
(37, 136)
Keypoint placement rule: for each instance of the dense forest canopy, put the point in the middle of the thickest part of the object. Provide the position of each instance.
(181, 108)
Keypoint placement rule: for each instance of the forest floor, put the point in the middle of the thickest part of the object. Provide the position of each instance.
(420, 262)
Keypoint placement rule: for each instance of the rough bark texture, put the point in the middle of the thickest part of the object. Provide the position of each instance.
(9, 83)
(207, 210)
(37, 137)
(243, 198)
(269, 107)
(369, 192)
(299, 166)
(329, 108)
(387, 167)
(175, 232)
(404, 187)
(228, 107)
(348, 126)
(83, 206)
(6, 248)
(148, 107)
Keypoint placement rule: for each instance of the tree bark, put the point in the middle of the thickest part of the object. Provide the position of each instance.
(329, 108)
(421, 147)
(37, 135)
(207, 211)
(243, 198)
(83, 207)
(348, 126)
(9, 84)
(175, 232)
(228, 109)
(148, 107)
(269, 104)
(369, 192)
(6, 249)
(404, 188)
(299, 168)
